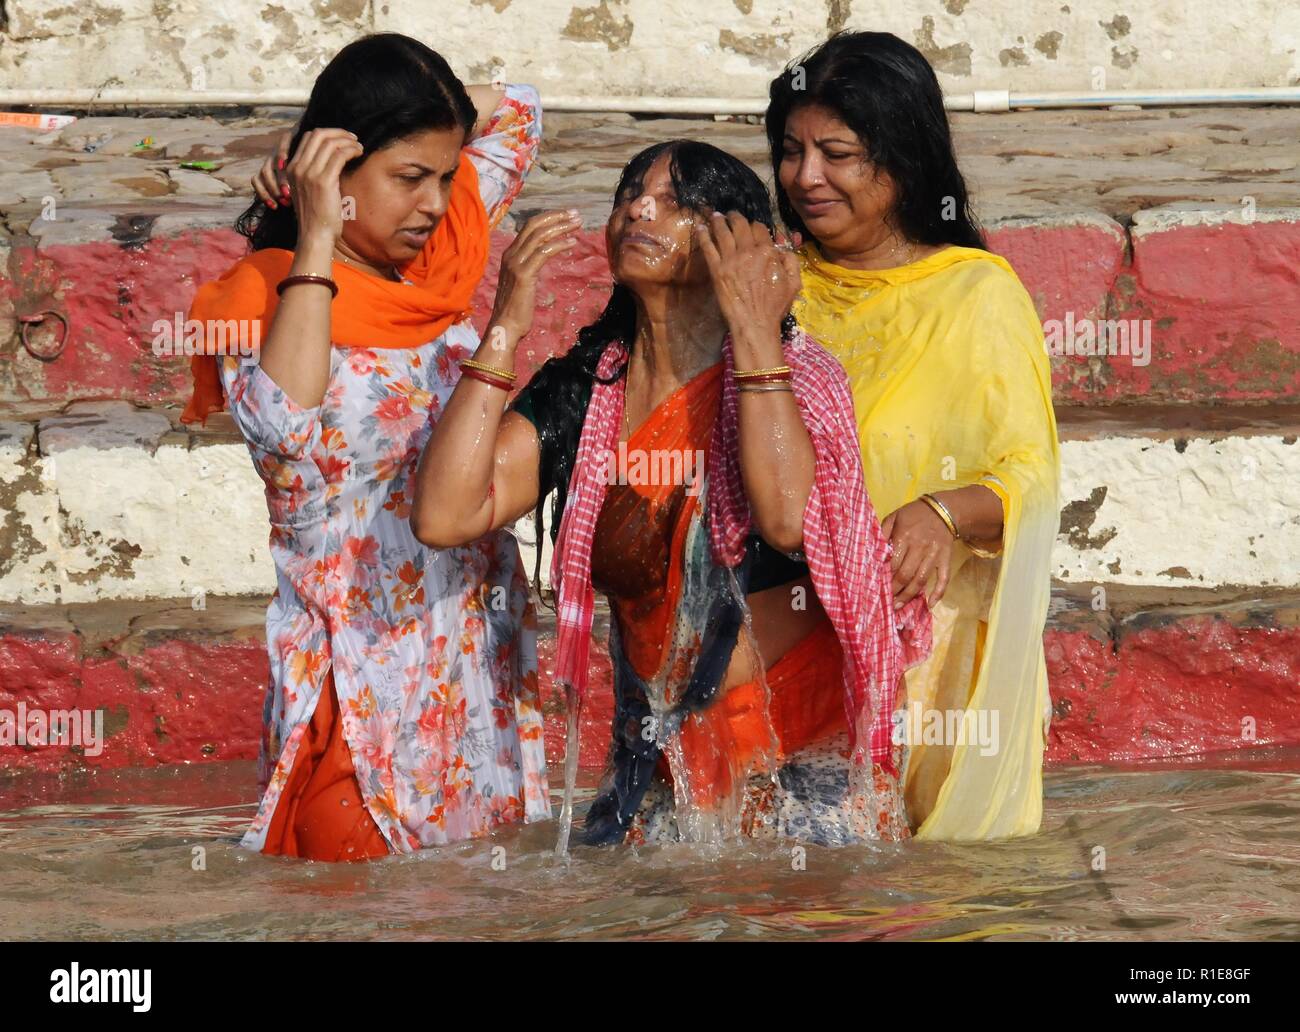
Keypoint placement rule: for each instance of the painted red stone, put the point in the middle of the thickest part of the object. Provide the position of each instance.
(112, 295)
(1223, 301)
(1183, 688)
(1064, 268)
(1196, 685)
(1224, 305)
(173, 701)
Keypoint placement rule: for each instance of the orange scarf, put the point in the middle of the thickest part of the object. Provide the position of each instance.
(368, 311)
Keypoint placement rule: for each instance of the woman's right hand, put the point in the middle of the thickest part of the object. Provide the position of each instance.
(313, 176)
(542, 237)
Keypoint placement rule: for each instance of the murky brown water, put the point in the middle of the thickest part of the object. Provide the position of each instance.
(1190, 853)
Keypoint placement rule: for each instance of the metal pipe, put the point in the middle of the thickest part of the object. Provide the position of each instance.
(980, 100)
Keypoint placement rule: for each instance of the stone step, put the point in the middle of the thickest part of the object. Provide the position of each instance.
(1181, 226)
(1137, 674)
(101, 501)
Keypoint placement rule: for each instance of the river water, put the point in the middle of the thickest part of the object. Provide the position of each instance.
(1206, 850)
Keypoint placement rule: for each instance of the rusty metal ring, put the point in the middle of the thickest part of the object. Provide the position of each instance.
(29, 321)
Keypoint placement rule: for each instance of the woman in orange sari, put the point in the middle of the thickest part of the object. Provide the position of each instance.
(704, 458)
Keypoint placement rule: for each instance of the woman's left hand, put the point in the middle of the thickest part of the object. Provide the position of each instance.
(755, 281)
(922, 546)
(271, 184)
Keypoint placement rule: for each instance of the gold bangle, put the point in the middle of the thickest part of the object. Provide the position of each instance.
(943, 513)
(483, 367)
(743, 374)
(758, 388)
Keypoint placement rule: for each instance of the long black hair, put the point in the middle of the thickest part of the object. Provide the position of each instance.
(383, 87)
(886, 92)
(705, 179)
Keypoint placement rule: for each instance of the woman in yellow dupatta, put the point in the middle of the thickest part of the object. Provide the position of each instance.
(952, 391)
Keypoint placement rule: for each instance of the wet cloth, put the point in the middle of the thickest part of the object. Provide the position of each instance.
(708, 572)
(323, 816)
(952, 386)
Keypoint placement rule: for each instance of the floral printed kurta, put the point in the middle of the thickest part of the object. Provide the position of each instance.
(433, 651)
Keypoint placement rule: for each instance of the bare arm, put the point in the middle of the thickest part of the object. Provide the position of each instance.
(755, 284)
(485, 99)
(977, 511)
(479, 469)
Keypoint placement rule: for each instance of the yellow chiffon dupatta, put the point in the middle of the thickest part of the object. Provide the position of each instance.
(952, 386)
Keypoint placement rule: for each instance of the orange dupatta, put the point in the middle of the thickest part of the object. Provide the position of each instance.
(368, 311)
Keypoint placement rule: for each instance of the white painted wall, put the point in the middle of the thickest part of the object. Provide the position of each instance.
(726, 48)
(1219, 512)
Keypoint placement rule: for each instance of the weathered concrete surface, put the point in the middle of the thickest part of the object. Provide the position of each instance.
(640, 47)
(103, 501)
(1179, 496)
(1145, 677)
(174, 684)
(1187, 221)
(1135, 675)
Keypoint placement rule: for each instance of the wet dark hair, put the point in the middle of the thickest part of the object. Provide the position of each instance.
(705, 179)
(886, 92)
(383, 87)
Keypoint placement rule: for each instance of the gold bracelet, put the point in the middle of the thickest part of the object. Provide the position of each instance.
(760, 387)
(483, 367)
(743, 374)
(946, 516)
(943, 513)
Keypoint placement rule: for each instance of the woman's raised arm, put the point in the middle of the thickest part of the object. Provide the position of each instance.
(755, 284)
(485, 98)
(479, 470)
(296, 353)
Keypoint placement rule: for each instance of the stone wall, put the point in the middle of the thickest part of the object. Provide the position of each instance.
(726, 48)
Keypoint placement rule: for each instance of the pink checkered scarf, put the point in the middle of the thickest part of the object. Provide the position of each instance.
(575, 599)
(848, 554)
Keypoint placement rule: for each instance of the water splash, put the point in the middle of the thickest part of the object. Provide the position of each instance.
(572, 705)
(722, 822)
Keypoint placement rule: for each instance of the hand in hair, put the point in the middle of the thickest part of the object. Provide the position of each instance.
(754, 280)
(313, 175)
(270, 184)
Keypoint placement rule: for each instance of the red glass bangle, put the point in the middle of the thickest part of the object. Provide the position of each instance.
(325, 281)
(481, 377)
(766, 378)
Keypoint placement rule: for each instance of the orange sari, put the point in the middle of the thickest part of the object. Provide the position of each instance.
(637, 560)
(321, 815)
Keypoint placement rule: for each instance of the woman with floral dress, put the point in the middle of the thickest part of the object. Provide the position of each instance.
(402, 709)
